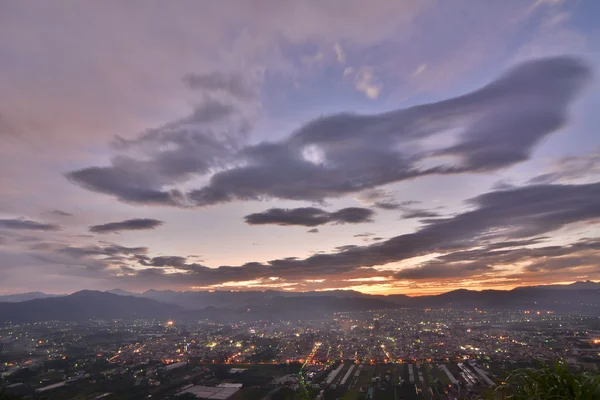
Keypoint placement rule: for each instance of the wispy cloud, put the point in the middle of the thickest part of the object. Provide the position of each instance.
(25, 224)
(136, 224)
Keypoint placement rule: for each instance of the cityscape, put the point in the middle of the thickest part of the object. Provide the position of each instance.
(397, 353)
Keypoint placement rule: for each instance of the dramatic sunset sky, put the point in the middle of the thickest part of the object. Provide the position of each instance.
(384, 146)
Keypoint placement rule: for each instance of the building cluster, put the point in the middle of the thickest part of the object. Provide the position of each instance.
(434, 350)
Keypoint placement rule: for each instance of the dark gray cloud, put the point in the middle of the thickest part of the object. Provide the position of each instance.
(502, 185)
(128, 186)
(364, 234)
(502, 228)
(435, 271)
(571, 168)
(197, 144)
(310, 216)
(501, 124)
(410, 203)
(518, 214)
(331, 156)
(173, 153)
(136, 224)
(517, 243)
(61, 213)
(313, 230)
(394, 205)
(108, 249)
(420, 214)
(346, 247)
(379, 198)
(165, 261)
(476, 262)
(25, 224)
(42, 246)
(387, 205)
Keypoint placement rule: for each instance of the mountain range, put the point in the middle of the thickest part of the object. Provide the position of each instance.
(82, 305)
(587, 292)
(271, 304)
(15, 298)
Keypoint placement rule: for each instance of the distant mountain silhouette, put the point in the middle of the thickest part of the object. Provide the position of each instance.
(230, 299)
(13, 298)
(86, 304)
(587, 293)
(576, 296)
(121, 292)
(579, 285)
(272, 304)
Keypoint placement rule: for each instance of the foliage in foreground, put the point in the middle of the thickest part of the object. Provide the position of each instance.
(5, 396)
(555, 382)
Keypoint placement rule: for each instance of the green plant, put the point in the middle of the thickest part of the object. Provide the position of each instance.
(5, 396)
(556, 382)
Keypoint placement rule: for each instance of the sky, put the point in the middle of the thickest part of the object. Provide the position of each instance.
(386, 146)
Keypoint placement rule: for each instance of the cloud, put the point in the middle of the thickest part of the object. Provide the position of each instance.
(108, 249)
(475, 262)
(383, 199)
(233, 84)
(420, 214)
(313, 230)
(518, 214)
(410, 202)
(498, 231)
(310, 216)
(572, 169)
(345, 247)
(339, 53)
(98, 262)
(516, 243)
(61, 213)
(365, 234)
(500, 125)
(433, 271)
(386, 205)
(204, 141)
(126, 184)
(174, 152)
(313, 59)
(419, 70)
(136, 224)
(503, 185)
(25, 224)
(366, 82)
(165, 261)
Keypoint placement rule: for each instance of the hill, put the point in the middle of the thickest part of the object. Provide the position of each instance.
(15, 298)
(86, 304)
(272, 304)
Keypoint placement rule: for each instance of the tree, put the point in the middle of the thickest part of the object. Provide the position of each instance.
(556, 382)
(5, 396)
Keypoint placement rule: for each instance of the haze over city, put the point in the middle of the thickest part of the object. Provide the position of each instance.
(388, 147)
